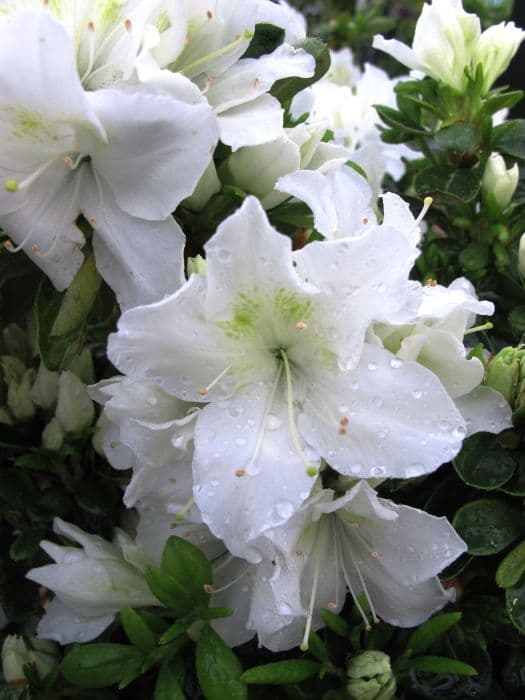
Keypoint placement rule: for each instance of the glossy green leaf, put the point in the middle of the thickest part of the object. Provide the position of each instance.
(488, 525)
(190, 572)
(335, 623)
(460, 137)
(218, 669)
(292, 671)
(168, 685)
(447, 185)
(512, 139)
(429, 632)
(442, 665)
(515, 599)
(100, 665)
(483, 463)
(137, 631)
(266, 38)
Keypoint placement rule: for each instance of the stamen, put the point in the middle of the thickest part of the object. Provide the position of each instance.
(311, 470)
(301, 325)
(375, 555)
(91, 54)
(262, 430)
(477, 329)
(231, 583)
(12, 185)
(216, 54)
(127, 24)
(240, 472)
(182, 512)
(205, 389)
(368, 626)
(431, 282)
(308, 626)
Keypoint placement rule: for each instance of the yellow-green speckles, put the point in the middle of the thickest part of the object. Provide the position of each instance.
(291, 307)
(108, 12)
(28, 124)
(163, 22)
(245, 317)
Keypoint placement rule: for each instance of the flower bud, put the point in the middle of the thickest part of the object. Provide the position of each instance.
(74, 409)
(499, 184)
(370, 677)
(16, 653)
(506, 374)
(495, 49)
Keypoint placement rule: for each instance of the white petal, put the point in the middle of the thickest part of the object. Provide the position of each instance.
(484, 410)
(158, 148)
(237, 578)
(401, 52)
(251, 77)
(252, 123)
(142, 261)
(65, 626)
(244, 455)
(248, 256)
(172, 342)
(401, 422)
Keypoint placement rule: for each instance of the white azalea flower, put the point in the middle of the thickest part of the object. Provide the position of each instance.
(390, 554)
(211, 39)
(91, 583)
(273, 343)
(343, 102)
(115, 156)
(448, 41)
(435, 339)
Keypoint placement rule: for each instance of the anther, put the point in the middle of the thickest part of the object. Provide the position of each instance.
(179, 517)
(36, 249)
(93, 221)
(332, 606)
(209, 589)
(368, 628)
(202, 391)
(342, 431)
(301, 325)
(240, 472)
(91, 26)
(172, 480)
(8, 245)
(209, 14)
(344, 420)
(376, 555)
(431, 282)
(365, 220)
(11, 185)
(256, 82)
(173, 526)
(127, 24)
(355, 526)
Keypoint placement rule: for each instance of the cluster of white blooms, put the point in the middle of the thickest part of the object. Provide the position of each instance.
(449, 44)
(263, 399)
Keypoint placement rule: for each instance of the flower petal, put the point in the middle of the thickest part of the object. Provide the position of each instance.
(65, 626)
(484, 410)
(252, 123)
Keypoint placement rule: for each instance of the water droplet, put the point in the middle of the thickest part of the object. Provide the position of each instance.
(459, 432)
(377, 401)
(235, 411)
(417, 394)
(372, 366)
(240, 441)
(223, 254)
(284, 609)
(444, 425)
(396, 363)
(152, 401)
(378, 471)
(273, 422)
(343, 409)
(215, 482)
(178, 441)
(356, 468)
(284, 509)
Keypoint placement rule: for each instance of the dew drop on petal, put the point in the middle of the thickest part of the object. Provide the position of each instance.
(284, 509)
(396, 363)
(235, 411)
(459, 432)
(377, 401)
(444, 425)
(356, 468)
(372, 366)
(273, 422)
(378, 471)
(417, 394)
(240, 442)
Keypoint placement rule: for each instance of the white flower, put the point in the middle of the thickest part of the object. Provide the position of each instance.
(521, 256)
(499, 183)
(388, 553)
(444, 43)
(122, 157)
(435, 339)
(273, 343)
(91, 583)
(208, 49)
(342, 101)
(448, 41)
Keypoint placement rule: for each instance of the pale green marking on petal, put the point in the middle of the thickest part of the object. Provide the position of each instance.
(27, 123)
(163, 22)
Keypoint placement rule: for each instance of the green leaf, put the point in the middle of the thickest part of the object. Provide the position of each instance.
(266, 38)
(507, 100)
(459, 138)
(515, 599)
(511, 139)
(286, 88)
(218, 668)
(12, 693)
(488, 526)
(483, 463)
(168, 685)
(27, 544)
(447, 185)
(396, 120)
(293, 671)
(442, 665)
(62, 317)
(474, 258)
(430, 631)
(100, 665)
(177, 629)
(137, 631)
(190, 572)
(335, 623)
(511, 569)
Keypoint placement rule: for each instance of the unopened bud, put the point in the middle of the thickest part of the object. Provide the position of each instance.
(17, 653)
(370, 677)
(498, 183)
(495, 49)
(506, 374)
